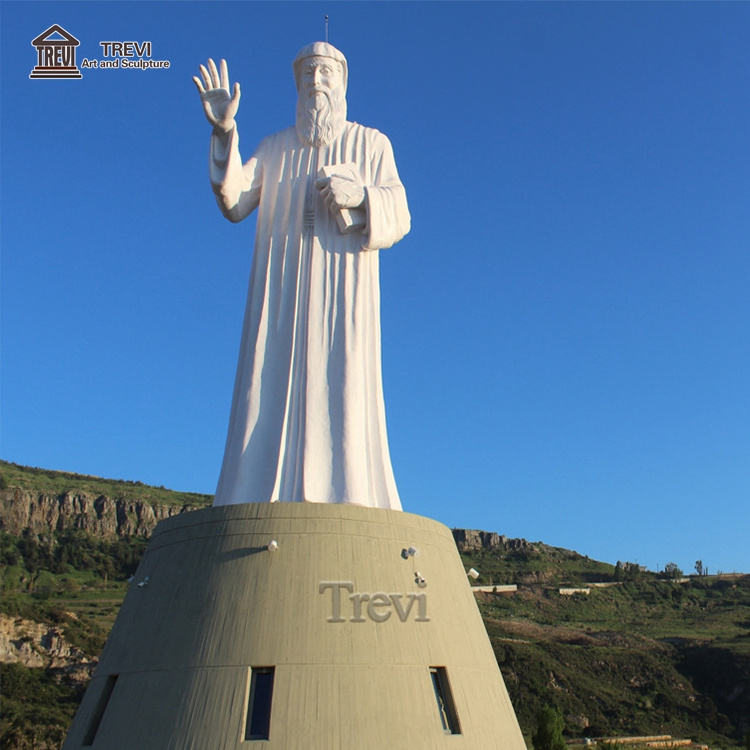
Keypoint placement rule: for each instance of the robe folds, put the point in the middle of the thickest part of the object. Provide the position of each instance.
(307, 421)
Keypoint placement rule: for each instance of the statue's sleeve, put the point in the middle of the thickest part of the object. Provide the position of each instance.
(388, 218)
(237, 186)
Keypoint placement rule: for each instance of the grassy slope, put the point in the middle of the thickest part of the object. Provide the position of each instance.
(59, 482)
(645, 657)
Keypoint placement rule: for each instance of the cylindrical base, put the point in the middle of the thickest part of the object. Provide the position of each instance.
(336, 639)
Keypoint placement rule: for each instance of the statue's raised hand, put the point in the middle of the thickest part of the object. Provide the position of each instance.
(219, 106)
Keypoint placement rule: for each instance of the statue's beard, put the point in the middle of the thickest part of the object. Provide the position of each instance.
(321, 116)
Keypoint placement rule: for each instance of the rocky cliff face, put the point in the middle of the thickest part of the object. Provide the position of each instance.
(106, 517)
(471, 540)
(35, 644)
(98, 515)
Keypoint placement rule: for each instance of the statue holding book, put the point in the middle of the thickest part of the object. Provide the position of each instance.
(308, 420)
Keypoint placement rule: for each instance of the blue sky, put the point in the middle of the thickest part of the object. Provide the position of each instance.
(566, 332)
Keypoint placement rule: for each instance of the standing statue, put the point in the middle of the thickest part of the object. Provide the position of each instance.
(308, 418)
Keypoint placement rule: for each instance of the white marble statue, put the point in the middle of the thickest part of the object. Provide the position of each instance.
(308, 419)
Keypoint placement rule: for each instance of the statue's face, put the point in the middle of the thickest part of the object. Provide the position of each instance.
(321, 101)
(319, 75)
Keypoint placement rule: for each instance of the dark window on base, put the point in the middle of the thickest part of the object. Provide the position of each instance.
(101, 707)
(259, 703)
(444, 698)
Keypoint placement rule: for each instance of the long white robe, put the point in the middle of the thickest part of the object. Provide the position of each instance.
(308, 418)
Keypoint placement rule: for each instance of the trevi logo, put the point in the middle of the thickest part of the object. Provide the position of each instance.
(378, 606)
(56, 54)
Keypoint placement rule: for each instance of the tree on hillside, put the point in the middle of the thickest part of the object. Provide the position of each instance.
(671, 570)
(628, 571)
(549, 730)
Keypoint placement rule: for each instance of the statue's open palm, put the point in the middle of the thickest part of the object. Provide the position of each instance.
(220, 107)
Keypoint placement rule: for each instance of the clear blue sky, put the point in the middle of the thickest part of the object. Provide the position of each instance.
(566, 329)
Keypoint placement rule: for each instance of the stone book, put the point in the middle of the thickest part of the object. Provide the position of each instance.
(348, 219)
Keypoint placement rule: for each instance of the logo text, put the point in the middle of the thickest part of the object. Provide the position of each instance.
(378, 606)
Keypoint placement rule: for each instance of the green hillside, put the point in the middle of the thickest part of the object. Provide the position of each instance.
(646, 655)
(52, 482)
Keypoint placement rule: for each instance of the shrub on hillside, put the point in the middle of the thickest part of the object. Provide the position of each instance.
(549, 730)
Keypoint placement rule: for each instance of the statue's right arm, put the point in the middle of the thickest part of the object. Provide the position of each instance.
(218, 106)
(236, 186)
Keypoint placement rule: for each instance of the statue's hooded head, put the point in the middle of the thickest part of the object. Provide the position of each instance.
(321, 75)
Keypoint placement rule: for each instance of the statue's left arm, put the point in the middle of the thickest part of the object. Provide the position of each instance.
(373, 186)
(388, 218)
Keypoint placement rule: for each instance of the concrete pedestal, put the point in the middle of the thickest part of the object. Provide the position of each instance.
(368, 648)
